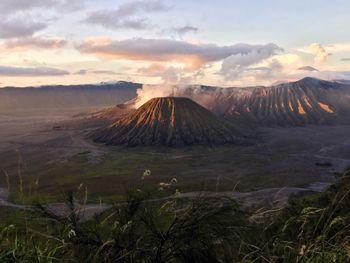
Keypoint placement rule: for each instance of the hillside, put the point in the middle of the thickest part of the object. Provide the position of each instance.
(170, 121)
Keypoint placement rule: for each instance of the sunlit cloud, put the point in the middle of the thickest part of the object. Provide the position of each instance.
(165, 50)
(169, 74)
(160, 41)
(35, 42)
(104, 72)
(338, 47)
(319, 52)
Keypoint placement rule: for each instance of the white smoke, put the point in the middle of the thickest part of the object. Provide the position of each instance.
(148, 92)
(320, 53)
(206, 96)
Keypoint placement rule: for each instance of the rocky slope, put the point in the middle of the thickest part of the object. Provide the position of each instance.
(308, 101)
(170, 121)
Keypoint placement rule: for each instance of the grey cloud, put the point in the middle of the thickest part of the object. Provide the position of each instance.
(146, 6)
(72, 5)
(12, 6)
(308, 68)
(345, 59)
(109, 19)
(31, 72)
(81, 72)
(23, 5)
(35, 42)
(271, 71)
(236, 64)
(19, 27)
(97, 72)
(124, 16)
(258, 69)
(104, 72)
(191, 54)
(185, 29)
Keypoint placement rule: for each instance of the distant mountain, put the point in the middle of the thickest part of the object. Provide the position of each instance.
(104, 94)
(308, 101)
(170, 121)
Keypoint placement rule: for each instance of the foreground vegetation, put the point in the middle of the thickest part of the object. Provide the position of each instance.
(314, 228)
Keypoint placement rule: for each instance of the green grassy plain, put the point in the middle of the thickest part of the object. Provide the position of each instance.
(38, 174)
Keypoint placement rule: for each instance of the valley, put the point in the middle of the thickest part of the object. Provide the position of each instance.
(43, 156)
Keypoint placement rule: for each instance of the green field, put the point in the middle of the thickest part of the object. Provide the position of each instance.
(34, 174)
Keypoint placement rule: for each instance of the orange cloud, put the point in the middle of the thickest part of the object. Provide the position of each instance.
(35, 42)
(191, 55)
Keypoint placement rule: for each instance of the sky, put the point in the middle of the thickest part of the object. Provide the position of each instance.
(220, 43)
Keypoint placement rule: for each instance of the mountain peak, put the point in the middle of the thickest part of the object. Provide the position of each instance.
(309, 80)
(170, 121)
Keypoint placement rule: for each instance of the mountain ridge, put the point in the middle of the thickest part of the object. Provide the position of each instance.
(307, 101)
(66, 96)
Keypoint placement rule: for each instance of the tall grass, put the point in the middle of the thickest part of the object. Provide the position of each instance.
(313, 228)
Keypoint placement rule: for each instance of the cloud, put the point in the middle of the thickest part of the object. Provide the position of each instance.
(97, 72)
(189, 54)
(307, 68)
(71, 5)
(345, 59)
(35, 42)
(23, 5)
(169, 74)
(234, 65)
(185, 30)
(134, 7)
(31, 72)
(125, 15)
(13, 6)
(338, 47)
(104, 72)
(320, 53)
(81, 72)
(12, 27)
(109, 19)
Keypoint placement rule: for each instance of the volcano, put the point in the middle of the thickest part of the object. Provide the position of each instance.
(304, 102)
(170, 121)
